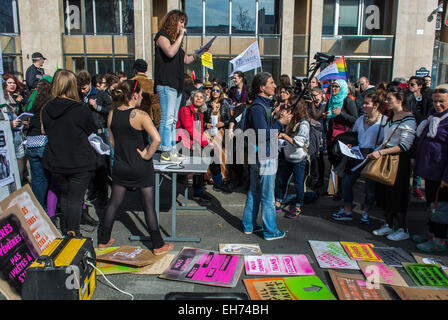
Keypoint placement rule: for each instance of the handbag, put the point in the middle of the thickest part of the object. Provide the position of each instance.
(439, 210)
(384, 169)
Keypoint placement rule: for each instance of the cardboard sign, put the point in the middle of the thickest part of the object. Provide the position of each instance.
(207, 60)
(6, 168)
(127, 255)
(240, 249)
(354, 287)
(205, 267)
(331, 255)
(429, 259)
(158, 266)
(112, 268)
(421, 294)
(290, 288)
(383, 273)
(393, 256)
(37, 220)
(18, 251)
(360, 251)
(427, 275)
(278, 265)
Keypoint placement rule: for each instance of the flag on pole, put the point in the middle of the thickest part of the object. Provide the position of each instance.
(193, 75)
(249, 59)
(336, 70)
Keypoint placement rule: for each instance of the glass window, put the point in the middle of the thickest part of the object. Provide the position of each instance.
(268, 16)
(243, 17)
(193, 9)
(73, 19)
(128, 16)
(374, 22)
(216, 17)
(328, 19)
(107, 16)
(348, 17)
(8, 16)
(124, 65)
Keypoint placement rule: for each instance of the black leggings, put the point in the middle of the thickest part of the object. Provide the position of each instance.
(117, 197)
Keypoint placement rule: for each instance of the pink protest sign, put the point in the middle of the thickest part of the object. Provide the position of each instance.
(331, 255)
(278, 265)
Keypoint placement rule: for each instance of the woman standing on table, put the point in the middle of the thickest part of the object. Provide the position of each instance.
(133, 165)
(169, 77)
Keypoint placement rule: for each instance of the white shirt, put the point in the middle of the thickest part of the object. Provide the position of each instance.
(367, 136)
(404, 136)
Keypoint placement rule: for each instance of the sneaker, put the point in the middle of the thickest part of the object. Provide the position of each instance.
(431, 246)
(256, 230)
(365, 219)
(398, 235)
(418, 193)
(176, 157)
(166, 157)
(278, 235)
(384, 230)
(342, 216)
(294, 213)
(278, 209)
(421, 238)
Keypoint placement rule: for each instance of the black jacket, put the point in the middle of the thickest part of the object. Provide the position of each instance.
(224, 114)
(104, 104)
(420, 109)
(32, 76)
(68, 124)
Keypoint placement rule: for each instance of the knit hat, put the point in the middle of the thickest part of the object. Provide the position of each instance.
(140, 65)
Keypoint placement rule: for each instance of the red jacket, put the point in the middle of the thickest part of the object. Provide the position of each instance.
(189, 130)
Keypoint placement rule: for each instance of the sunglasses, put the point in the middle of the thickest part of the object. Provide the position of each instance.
(216, 90)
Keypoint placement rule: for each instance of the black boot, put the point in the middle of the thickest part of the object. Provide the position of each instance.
(87, 219)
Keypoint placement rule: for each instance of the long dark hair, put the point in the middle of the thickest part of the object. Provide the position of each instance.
(123, 93)
(300, 113)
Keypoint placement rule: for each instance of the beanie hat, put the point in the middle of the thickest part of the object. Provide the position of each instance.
(140, 65)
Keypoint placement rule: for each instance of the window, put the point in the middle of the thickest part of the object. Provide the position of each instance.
(9, 22)
(217, 17)
(375, 18)
(243, 17)
(193, 9)
(348, 17)
(328, 19)
(268, 16)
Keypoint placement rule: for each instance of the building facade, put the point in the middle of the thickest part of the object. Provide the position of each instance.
(381, 39)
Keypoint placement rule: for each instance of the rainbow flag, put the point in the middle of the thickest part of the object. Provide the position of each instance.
(336, 70)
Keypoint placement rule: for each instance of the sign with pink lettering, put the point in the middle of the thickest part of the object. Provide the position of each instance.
(331, 255)
(378, 272)
(205, 267)
(361, 251)
(278, 265)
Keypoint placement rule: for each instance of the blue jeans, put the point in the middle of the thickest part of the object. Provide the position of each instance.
(39, 176)
(298, 169)
(261, 191)
(169, 105)
(348, 181)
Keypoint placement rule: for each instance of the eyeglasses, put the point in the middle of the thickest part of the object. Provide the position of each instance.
(216, 90)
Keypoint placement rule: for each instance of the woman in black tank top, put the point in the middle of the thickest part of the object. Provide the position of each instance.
(133, 165)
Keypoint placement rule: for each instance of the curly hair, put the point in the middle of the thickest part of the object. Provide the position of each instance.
(170, 21)
(7, 76)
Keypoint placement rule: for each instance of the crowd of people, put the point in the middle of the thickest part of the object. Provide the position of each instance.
(139, 117)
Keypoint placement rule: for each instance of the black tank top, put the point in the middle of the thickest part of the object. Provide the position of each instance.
(130, 169)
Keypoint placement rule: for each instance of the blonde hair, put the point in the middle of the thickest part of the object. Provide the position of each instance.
(64, 84)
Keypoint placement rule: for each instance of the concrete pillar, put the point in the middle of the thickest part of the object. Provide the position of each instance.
(317, 12)
(287, 37)
(41, 28)
(414, 37)
(143, 32)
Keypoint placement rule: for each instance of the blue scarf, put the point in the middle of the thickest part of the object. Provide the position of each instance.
(337, 101)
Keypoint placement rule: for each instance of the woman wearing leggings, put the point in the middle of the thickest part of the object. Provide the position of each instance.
(133, 165)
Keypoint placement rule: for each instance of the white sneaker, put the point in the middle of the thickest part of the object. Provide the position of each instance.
(384, 230)
(399, 235)
(176, 157)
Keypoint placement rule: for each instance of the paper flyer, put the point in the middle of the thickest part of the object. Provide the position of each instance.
(239, 249)
(278, 265)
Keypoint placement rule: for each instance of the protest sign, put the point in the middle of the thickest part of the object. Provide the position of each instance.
(360, 251)
(17, 251)
(393, 256)
(278, 265)
(420, 293)
(429, 259)
(427, 275)
(353, 287)
(6, 169)
(331, 255)
(43, 230)
(248, 60)
(384, 273)
(207, 60)
(288, 288)
(127, 255)
(205, 267)
(112, 268)
(239, 249)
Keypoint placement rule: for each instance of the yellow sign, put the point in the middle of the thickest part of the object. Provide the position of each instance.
(361, 251)
(207, 60)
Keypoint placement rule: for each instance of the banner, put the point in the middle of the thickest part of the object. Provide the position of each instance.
(207, 60)
(336, 70)
(249, 59)
(278, 265)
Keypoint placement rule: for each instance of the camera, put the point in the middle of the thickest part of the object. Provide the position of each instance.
(324, 58)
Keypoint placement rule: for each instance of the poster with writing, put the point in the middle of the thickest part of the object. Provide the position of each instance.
(278, 265)
(353, 287)
(430, 259)
(393, 256)
(205, 267)
(428, 275)
(128, 255)
(207, 60)
(360, 251)
(421, 294)
(17, 252)
(112, 268)
(331, 255)
(379, 272)
(43, 230)
(239, 249)
(288, 288)
(6, 172)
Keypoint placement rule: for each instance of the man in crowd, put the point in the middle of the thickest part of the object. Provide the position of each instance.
(35, 72)
(364, 88)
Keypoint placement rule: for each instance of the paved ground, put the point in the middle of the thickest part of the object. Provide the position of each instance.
(222, 224)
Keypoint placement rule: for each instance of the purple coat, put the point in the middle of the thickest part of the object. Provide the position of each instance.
(432, 153)
(233, 94)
